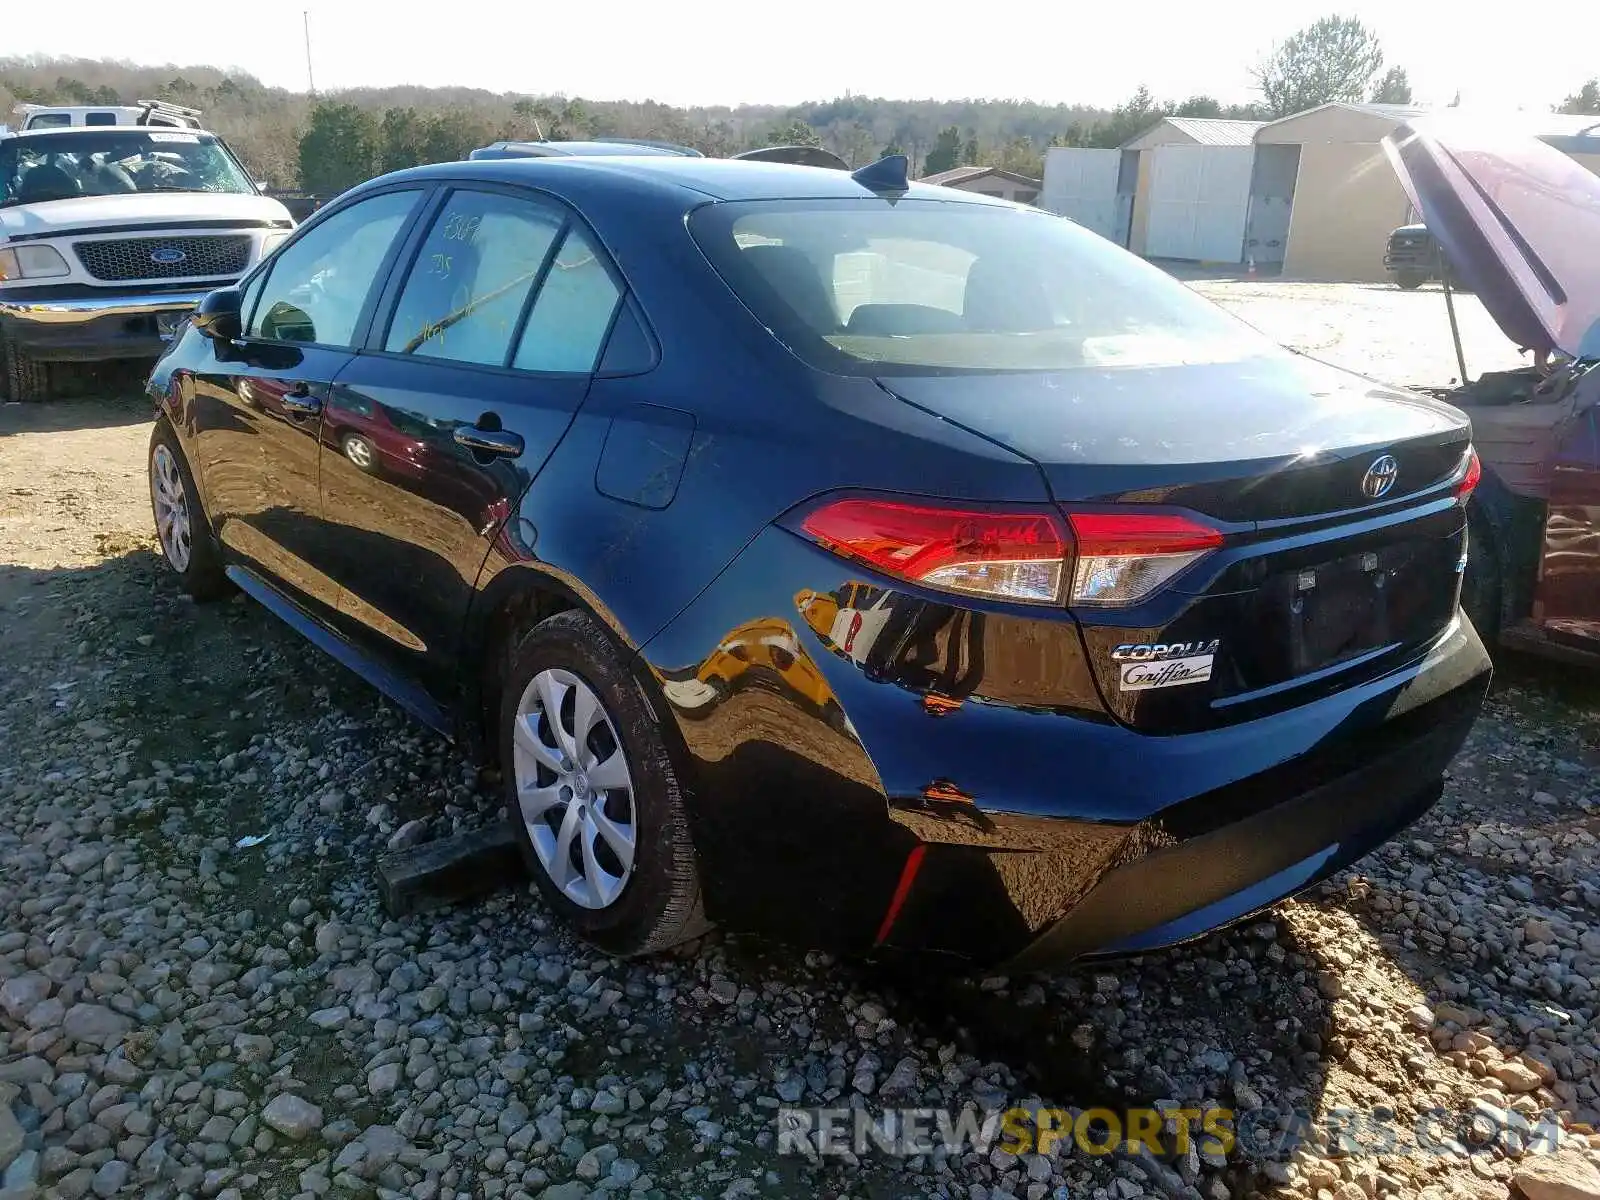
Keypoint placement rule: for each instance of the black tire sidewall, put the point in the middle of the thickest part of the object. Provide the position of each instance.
(203, 578)
(641, 919)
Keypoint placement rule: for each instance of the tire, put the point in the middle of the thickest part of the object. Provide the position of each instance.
(360, 452)
(1483, 584)
(625, 909)
(1410, 281)
(195, 559)
(23, 377)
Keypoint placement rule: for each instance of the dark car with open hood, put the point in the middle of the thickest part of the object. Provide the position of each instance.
(1519, 219)
(860, 562)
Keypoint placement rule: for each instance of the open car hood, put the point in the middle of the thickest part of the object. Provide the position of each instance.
(1517, 219)
(800, 156)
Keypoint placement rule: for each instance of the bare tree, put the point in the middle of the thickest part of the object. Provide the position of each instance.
(1332, 59)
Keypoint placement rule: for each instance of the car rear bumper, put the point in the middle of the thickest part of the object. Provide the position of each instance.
(976, 800)
(88, 325)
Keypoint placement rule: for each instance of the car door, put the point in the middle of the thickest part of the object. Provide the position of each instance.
(1567, 599)
(489, 334)
(258, 400)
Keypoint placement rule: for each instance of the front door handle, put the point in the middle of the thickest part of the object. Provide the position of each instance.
(500, 442)
(300, 402)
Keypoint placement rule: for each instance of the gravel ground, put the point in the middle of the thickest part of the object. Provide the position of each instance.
(185, 1014)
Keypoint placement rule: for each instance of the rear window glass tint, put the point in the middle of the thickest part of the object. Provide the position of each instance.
(863, 287)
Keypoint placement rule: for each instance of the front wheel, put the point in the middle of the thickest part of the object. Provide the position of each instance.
(23, 377)
(187, 542)
(593, 799)
(360, 452)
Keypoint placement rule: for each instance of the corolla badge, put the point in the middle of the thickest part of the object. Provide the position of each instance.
(1143, 667)
(167, 256)
(1380, 477)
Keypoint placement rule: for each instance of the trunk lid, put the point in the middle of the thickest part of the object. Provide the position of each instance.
(1317, 585)
(1518, 219)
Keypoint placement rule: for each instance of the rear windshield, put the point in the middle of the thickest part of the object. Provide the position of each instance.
(866, 287)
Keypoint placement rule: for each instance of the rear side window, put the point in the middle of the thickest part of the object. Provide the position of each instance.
(864, 287)
(471, 278)
(572, 312)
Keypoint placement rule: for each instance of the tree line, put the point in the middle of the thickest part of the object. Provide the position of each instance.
(325, 144)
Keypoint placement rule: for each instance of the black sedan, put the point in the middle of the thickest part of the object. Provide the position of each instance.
(865, 563)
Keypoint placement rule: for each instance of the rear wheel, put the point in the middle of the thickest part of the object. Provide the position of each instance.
(1410, 280)
(187, 542)
(23, 377)
(592, 795)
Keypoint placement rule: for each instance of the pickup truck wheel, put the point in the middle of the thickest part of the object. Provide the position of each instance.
(184, 533)
(592, 795)
(1410, 281)
(22, 377)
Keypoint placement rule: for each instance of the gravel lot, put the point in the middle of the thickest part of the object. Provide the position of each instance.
(180, 1015)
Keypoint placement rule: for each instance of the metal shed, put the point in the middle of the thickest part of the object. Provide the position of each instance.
(1323, 186)
(1188, 182)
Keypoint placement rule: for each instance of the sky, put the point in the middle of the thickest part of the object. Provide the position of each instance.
(737, 51)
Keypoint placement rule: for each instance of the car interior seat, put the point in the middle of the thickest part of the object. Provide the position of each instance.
(794, 279)
(48, 182)
(1003, 299)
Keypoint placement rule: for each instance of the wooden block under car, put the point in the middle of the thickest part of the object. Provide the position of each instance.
(449, 870)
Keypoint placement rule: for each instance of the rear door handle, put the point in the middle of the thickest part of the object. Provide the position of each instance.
(500, 442)
(299, 401)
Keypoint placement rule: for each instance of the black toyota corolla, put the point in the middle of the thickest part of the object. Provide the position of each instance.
(865, 563)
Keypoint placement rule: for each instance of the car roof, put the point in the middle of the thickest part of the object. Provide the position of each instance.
(686, 179)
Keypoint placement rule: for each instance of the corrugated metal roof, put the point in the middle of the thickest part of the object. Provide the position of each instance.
(965, 174)
(1398, 111)
(1199, 131)
(1213, 131)
(1390, 112)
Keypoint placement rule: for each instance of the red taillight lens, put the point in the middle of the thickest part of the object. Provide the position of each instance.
(1124, 557)
(1471, 475)
(1018, 554)
(1009, 554)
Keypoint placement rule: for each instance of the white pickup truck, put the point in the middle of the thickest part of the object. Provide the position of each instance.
(110, 234)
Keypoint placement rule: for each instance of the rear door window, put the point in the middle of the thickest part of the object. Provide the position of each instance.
(472, 277)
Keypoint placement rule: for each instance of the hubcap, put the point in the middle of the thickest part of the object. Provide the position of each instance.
(360, 453)
(573, 789)
(171, 503)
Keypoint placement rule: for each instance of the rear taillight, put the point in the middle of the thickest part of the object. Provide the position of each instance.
(1009, 554)
(1471, 475)
(1030, 554)
(1123, 557)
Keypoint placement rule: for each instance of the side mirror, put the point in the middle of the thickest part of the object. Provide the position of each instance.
(217, 316)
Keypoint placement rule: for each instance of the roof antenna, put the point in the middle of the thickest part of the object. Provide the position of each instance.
(888, 174)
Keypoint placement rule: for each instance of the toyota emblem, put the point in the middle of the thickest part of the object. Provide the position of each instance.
(1380, 477)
